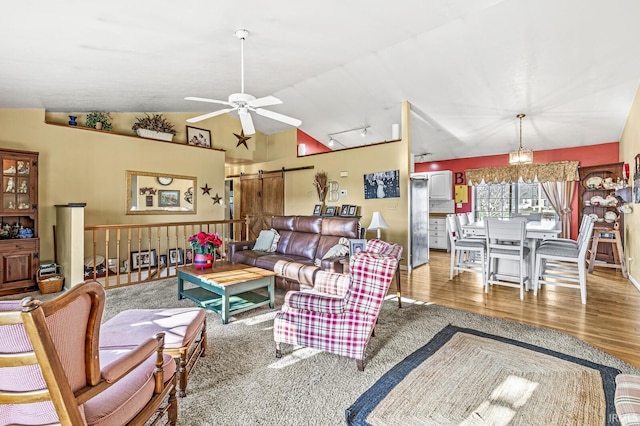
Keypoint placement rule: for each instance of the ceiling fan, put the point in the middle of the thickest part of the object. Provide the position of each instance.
(244, 102)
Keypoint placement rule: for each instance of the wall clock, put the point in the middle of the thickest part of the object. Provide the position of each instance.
(165, 180)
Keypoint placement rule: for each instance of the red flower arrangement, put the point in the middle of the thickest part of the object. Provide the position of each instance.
(205, 242)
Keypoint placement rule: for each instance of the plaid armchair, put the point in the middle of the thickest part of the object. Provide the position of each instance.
(338, 324)
(389, 249)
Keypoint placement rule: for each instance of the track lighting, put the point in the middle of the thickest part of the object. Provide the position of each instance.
(363, 133)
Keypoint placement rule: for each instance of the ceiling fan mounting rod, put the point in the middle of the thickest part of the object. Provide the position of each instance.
(242, 35)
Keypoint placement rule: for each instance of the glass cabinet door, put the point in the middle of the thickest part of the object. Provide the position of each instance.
(16, 178)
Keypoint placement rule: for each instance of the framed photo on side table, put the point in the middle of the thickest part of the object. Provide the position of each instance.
(188, 256)
(143, 259)
(198, 137)
(357, 246)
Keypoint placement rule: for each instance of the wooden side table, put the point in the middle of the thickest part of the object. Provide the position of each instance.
(607, 236)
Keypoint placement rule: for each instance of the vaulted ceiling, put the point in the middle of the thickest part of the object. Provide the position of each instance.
(466, 66)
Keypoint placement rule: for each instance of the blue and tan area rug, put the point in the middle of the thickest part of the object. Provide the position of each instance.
(467, 377)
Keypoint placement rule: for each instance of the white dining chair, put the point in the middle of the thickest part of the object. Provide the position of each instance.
(582, 233)
(505, 240)
(466, 254)
(563, 264)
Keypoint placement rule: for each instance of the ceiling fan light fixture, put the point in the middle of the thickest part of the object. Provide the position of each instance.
(521, 156)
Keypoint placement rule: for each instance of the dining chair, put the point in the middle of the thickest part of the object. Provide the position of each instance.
(563, 264)
(505, 240)
(582, 233)
(467, 254)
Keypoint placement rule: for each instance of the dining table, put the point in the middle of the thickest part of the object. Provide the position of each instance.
(536, 231)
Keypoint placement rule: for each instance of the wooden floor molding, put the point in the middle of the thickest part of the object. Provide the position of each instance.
(609, 321)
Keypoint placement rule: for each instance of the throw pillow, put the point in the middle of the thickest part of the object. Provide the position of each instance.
(264, 241)
(337, 250)
(276, 238)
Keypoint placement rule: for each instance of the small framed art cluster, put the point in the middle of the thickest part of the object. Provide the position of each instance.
(346, 210)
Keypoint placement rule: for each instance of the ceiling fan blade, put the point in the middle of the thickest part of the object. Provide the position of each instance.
(277, 116)
(246, 121)
(211, 101)
(209, 115)
(266, 101)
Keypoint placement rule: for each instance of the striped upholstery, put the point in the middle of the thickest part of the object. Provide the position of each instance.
(340, 325)
(627, 399)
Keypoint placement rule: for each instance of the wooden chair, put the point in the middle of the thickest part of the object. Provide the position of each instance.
(505, 240)
(563, 264)
(52, 371)
(467, 254)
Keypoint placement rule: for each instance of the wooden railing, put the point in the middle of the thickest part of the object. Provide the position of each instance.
(121, 255)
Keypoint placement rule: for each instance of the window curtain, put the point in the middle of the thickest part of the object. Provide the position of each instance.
(558, 182)
(561, 171)
(560, 195)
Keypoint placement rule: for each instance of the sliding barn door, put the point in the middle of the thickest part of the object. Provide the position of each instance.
(261, 197)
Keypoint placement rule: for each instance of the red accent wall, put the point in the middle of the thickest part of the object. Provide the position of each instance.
(591, 155)
(312, 146)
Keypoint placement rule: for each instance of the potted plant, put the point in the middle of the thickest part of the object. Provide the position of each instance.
(99, 120)
(154, 127)
(204, 246)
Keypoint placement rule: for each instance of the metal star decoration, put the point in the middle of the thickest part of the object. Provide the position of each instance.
(242, 139)
(205, 189)
(216, 199)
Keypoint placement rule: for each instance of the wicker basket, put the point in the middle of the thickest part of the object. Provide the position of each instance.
(50, 283)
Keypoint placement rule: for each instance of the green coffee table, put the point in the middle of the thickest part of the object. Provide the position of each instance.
(227, 288)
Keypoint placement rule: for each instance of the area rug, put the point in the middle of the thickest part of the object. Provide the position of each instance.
(464, 376)
(240, 382)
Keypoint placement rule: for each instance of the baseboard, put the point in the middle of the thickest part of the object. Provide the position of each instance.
(634, 282)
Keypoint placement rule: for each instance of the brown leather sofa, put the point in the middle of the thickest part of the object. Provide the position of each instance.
(303, 239)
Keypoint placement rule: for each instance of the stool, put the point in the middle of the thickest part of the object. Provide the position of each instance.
(618, 250)
(185, 335)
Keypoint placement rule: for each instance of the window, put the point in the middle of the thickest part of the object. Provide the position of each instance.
(510, 199)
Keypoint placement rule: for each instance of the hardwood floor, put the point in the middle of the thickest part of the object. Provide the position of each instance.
(609, 321)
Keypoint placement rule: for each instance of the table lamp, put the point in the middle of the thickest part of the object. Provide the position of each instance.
(378, 223)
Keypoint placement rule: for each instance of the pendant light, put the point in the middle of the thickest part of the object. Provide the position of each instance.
(521, 156)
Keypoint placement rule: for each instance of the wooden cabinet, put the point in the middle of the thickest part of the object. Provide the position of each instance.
(440, 185)
(19, 243)
(596, 195)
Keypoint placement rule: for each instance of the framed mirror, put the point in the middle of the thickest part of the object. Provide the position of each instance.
(160, 193)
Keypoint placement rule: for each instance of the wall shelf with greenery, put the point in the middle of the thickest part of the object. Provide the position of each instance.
(129, 135)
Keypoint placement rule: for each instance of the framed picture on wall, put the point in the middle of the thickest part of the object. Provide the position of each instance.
(198, 137)
(168, 198)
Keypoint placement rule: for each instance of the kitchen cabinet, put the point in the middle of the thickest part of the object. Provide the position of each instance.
(438, 237)
(440, 185)
(19, 243)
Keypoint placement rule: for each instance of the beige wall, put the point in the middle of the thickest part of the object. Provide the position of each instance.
(629, 148)
(88, 166)
(301, 196)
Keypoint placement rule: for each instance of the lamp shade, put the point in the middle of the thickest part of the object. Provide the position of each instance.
(378, 223)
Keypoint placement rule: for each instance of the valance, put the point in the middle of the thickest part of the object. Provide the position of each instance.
(561, 171)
